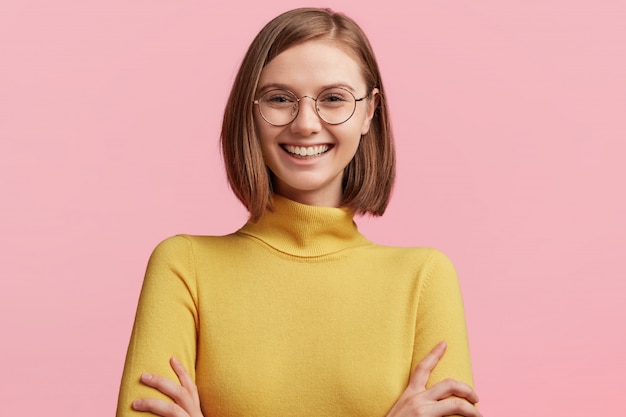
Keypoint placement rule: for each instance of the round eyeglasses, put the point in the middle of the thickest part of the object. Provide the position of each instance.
(334, 105)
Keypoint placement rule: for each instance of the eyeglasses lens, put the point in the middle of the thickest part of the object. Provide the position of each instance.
(333, 105)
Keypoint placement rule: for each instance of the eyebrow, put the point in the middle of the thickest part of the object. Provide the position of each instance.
(266, 87)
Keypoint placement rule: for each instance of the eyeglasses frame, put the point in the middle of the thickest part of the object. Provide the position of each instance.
(356, 100)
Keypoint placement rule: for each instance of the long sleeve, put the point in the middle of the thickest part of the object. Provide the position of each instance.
(295, 315)
(440, 317)
(166, 322)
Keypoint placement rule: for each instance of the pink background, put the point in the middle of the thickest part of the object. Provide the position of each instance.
(510, 120)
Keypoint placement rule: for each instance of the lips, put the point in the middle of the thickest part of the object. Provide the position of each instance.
(305, 151)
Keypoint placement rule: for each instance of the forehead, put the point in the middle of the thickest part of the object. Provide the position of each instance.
(314, 64)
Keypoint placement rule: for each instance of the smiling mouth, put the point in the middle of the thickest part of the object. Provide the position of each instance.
(306, 151)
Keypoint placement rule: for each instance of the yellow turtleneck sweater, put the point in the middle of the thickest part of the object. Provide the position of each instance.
(295, 315)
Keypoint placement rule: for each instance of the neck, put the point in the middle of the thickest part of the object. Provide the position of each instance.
(305, 230)
(320, 197)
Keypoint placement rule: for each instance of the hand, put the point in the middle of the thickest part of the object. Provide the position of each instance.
(417, 401)
(186, 399)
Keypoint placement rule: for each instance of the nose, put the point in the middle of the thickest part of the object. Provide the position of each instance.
(307, 121)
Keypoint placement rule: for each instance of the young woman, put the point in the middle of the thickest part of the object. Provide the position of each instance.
(296, 313)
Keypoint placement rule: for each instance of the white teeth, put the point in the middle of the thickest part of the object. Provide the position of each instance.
(306, 150)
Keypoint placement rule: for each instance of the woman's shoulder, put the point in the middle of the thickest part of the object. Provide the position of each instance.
(180, 244)
(422, 258)
(420, 252)
(188, 241)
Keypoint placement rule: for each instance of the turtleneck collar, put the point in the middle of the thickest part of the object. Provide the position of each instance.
(306, 231)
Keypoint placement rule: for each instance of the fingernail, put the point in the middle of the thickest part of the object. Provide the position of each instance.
(146, 377)
(136, 404)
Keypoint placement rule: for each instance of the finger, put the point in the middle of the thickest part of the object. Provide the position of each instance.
(448, 387)
(420, 376)
(170, 388)
(160, 408)
(185, 379)
(454, 406)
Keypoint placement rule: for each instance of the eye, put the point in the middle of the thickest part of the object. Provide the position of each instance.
(334, 98)
(279, 98)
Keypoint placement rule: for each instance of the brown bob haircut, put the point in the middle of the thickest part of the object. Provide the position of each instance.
(368, 178)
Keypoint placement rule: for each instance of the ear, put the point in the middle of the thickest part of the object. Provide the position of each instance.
(372, 104)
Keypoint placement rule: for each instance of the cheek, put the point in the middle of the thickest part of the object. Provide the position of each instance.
(350, 138)
(266, 135)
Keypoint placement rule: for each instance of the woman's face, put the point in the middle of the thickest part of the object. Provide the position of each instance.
(306, 70)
